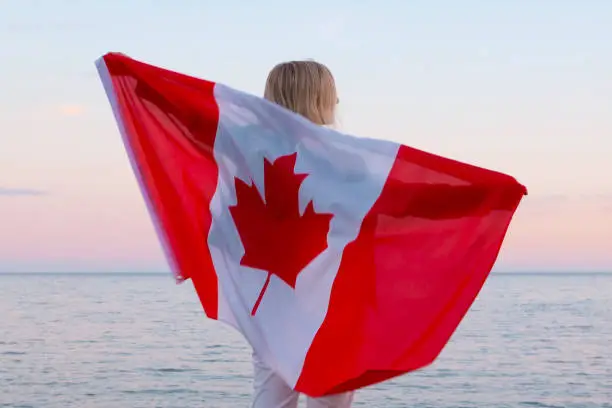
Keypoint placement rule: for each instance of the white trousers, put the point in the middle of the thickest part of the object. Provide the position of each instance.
(270, 391)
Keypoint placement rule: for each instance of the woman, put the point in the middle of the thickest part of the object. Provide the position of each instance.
(307, 88)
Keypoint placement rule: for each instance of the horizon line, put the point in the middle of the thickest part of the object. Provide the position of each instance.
(169, 274)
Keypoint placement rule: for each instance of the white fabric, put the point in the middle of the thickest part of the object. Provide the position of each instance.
(345, 177)
(270, 391)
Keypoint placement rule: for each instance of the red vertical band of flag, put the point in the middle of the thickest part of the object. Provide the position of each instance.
(424, 252)
(170, 123)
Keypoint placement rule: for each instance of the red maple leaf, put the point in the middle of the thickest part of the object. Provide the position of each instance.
(276, 238)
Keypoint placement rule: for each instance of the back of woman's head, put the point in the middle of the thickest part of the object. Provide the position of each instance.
(305, 87)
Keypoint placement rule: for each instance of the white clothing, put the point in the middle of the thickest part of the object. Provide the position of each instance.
(270, 391)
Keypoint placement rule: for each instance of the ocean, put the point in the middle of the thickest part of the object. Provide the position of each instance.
(129, 340)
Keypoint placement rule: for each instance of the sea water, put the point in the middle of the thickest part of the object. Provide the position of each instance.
(135, 340)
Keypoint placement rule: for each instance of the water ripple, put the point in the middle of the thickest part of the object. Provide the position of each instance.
(141, 341)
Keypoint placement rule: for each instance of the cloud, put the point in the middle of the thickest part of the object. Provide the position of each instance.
(71, 110)
(20, 192)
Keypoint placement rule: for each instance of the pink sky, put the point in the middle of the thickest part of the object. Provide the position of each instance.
(108, 228)
(522, 87)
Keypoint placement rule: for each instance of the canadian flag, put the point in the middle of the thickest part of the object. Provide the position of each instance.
(343, 261)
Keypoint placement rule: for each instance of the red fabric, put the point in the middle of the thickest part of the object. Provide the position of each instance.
(170, 123)
(422, 255)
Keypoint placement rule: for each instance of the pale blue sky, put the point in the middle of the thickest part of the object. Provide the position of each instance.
(519, 86)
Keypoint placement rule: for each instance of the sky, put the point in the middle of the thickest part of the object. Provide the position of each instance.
(523, 87)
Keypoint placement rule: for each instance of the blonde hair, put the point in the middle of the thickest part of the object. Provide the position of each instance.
(305, 87)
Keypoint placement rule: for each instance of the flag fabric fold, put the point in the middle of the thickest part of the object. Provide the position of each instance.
(344, 261)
